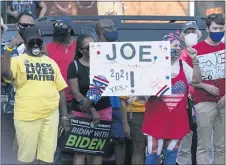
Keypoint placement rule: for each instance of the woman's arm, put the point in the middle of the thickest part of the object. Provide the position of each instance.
(12, 13)
(7, 69)
(73, 84)
(43, 7)
(123, 105)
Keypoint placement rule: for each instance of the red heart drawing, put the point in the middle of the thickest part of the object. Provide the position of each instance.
(98, 52)
(167, 57)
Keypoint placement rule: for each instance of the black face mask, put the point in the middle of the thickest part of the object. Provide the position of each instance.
(60, 34)
(22, 27)
(58, 31)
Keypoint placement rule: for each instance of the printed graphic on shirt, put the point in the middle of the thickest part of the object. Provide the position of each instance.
(178, 91)
(179, 88)
(39, 71)
(212, 65)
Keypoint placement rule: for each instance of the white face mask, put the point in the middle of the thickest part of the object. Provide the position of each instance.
(36, 51)
(191, 39)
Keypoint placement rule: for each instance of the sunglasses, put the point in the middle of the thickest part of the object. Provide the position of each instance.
(34, 42)
(25, 25)
(86, 48)
(60, 25)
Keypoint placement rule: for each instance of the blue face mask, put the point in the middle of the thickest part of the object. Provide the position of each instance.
(216, 36)
(175, 53)
(111, 36)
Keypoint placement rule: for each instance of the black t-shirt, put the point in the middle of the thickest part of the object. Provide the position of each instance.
(83, 82)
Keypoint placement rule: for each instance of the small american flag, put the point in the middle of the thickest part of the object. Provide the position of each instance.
(96, 88)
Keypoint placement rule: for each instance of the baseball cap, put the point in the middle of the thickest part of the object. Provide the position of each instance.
(3, 25)
(190, 25)
(31, 33)
(66, 20)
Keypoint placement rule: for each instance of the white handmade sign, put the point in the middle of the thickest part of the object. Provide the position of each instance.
(130, 68)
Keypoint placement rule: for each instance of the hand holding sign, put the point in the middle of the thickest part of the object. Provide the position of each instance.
(192, 52)
(131, 99)
(96, 88)
(95, 115)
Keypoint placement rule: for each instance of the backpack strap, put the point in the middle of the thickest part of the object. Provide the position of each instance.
(76, 65)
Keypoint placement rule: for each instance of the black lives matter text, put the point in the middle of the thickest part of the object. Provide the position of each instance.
(39, 72)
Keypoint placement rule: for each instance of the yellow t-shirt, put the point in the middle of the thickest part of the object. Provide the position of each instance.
(137, 106)
(37, 81)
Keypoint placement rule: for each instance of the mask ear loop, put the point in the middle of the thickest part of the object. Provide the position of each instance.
(18, 29)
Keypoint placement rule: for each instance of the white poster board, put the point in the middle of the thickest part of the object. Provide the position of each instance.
(131, 68)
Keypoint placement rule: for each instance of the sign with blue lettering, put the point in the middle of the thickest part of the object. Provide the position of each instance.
(131, 68)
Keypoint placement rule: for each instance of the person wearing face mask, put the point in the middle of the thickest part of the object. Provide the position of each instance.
(209, 95)
(62, 49)
(39, 94)
(7, 106)
(166, 119)
(79, 80)
(24, 20)
(106, 32)
(190, 35)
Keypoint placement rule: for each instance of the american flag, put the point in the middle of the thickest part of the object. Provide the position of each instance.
(97, 88)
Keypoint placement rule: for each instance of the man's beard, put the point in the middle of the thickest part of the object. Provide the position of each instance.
(63, 39)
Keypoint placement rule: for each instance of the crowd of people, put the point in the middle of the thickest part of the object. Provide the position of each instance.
(50, 83)
(40, 8)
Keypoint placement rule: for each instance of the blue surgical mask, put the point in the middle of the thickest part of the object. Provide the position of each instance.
(111, 35)
(216, 36)
(175, 53)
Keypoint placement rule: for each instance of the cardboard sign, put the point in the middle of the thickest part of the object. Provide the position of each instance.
(87, 138)
(131, 68)
(212, 65)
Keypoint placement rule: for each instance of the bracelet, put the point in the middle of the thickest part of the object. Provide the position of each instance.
(64, 118)
(9, 49)
(195, 63)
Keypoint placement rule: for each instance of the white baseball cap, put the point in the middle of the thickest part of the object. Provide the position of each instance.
(3, 25)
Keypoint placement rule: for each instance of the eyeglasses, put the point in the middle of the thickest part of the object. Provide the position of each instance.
(214, 16)
(25, 25)
(86, 48)
(61, 25)
(113, 28)
(34, 42)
